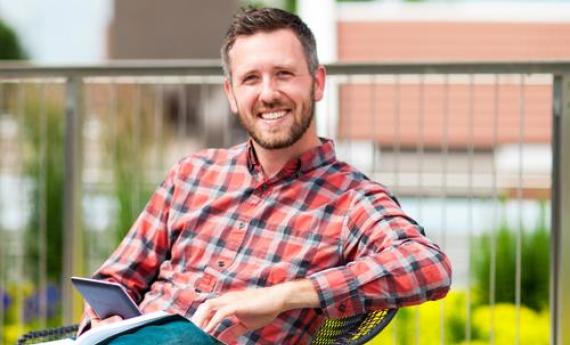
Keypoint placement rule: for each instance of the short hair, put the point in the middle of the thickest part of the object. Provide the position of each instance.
(250, 21)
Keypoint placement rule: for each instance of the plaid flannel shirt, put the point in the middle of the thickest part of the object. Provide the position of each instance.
(217, 224)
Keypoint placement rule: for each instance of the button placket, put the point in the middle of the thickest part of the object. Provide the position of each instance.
(205, 284)
(236, 237)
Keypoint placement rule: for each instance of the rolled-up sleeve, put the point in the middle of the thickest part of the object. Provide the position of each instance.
(388, 262)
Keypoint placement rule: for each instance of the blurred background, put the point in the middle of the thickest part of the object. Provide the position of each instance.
(110, 94)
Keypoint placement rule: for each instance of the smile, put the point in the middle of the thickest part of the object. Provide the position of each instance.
(274, 115)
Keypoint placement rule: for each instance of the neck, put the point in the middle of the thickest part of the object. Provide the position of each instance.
(272, 161)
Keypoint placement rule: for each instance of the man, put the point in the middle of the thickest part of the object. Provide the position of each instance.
(261, 242)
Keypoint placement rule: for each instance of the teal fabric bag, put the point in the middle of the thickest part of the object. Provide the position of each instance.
(169, 331)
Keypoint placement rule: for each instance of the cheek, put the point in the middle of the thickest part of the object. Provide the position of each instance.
(299, 92)
(245, 101)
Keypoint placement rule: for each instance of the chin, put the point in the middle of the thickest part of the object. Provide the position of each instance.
(275, 143)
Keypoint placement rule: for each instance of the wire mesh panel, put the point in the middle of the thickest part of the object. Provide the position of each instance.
(469, 157)
(31, 117)
(467, 154)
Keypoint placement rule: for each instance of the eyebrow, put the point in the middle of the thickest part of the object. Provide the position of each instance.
(274, 68)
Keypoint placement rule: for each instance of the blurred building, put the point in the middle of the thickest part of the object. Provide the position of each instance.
(494, 119)
(487, 115)
(179, 29)
(169, 29)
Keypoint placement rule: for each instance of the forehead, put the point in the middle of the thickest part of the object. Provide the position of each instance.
(266, 49)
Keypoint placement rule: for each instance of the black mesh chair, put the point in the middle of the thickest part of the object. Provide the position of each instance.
(353, 330)
(49, 334)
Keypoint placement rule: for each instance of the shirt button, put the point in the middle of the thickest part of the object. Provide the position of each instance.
(221, 264)
(264, 187)
(241, 225)
(198, 290)
(341, 308)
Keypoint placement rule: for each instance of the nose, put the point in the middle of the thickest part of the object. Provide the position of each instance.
(269, 91)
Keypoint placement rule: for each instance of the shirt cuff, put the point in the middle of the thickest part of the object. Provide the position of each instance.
(338, 291)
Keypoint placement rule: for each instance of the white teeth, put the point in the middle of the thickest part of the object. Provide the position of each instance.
(273, 115)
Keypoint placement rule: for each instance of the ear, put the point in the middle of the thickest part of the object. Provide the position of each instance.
(230, 95)
(320, 79)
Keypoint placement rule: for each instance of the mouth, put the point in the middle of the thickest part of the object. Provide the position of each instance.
(273, 115)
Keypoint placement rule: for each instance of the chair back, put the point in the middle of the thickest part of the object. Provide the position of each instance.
(353, 330)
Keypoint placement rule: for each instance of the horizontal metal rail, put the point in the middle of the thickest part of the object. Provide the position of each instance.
(213, 68)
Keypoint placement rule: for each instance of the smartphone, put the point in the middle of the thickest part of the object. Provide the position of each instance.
(106, 298)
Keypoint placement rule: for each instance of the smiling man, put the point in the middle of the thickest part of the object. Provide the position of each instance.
(260, 243)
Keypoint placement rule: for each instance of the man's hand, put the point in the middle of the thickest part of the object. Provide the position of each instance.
(96, 321)
(255, 308)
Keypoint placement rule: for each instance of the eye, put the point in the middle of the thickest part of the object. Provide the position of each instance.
(249, 79)
(284, 74)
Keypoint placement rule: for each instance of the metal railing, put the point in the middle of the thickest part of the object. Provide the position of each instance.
(370, 110)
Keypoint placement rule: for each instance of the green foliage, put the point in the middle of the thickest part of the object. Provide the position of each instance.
(535, 263)
(481, 251)
(127, 144)
(254, 3)
(291, 5)
(428, 323)
(10, 48)
(14, 314)
(129, 191)
(536, 266)
(43, 127)
(534, 326)
(287, 5)
(445, 321)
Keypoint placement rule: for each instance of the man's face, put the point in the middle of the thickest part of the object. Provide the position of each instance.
(271, 88)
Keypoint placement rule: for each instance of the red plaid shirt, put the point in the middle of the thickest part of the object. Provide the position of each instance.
(217, 224)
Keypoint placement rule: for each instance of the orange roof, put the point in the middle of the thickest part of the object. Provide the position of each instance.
(376, 41)
(384, 41)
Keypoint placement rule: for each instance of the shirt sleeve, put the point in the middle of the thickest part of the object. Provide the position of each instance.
(136, 261)
(388, 262)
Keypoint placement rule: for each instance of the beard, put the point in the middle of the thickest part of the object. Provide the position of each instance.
(293, 133)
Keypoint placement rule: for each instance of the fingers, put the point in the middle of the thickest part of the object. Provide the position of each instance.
(202, 315)
(89, 312)
(210, 314)
(217, 317)
(245, 307)
(96, 322)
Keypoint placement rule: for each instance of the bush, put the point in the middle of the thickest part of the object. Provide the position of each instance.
(535, 263)
(43, 132)
(534, 327)
(10, 48)
(422, 325)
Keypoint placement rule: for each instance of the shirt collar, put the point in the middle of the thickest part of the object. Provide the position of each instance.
(307, 161)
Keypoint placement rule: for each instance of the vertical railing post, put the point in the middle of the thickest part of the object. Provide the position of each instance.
(560, 267)
(2, 238)
(72, 237)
